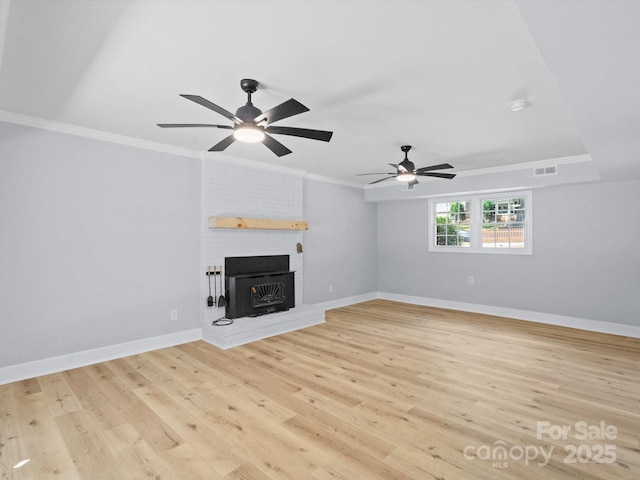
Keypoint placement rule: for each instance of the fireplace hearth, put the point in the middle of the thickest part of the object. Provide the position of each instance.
(258, 285)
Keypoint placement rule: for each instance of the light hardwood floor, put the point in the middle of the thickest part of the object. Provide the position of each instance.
(383, 390)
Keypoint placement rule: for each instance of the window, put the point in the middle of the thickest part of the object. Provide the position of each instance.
(503, 221)
(481, 223)
(452, 223)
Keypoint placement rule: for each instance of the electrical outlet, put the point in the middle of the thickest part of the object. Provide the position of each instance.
(472, 280)
(330, 288)
(173, 314)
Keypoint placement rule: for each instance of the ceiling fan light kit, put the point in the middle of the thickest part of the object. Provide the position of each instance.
(251, 125)
(248, 134)
(406, 177)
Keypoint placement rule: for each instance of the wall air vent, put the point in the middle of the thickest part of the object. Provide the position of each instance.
(542, 171)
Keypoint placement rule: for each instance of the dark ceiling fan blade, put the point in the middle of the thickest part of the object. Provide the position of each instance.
(287, 109)
(275, 146)
(378, 173)
(189, 125)
(394, 165)
(435, 174)
(383, 179)
(413, 182)
(224, 143)
(301, 132)
(434, 167)
(212, 106)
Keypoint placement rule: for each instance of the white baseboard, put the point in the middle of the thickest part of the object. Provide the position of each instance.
(14, 373)
(345, 302)
(46, 366)
(539, 317)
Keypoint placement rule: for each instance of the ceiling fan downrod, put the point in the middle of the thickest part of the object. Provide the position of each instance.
(406, 164)
(249, 86)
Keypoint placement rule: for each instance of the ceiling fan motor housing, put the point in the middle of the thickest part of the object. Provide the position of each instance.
(247, 113)
(407, 165)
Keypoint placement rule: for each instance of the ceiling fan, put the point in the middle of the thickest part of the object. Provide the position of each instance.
(251, 125)
(406, 171)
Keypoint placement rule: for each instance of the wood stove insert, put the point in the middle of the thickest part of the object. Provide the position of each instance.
(258, 285)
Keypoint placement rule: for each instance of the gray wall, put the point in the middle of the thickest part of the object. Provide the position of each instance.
(98, 242)
(340, 245)
(585, 262)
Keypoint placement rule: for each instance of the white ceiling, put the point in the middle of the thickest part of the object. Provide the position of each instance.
(437, 75)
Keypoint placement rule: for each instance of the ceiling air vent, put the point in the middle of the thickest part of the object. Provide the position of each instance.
(542, 171)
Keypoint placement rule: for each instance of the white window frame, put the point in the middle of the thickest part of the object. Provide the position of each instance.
(475, 225)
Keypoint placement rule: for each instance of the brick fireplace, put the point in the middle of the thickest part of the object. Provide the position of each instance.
(231, 189)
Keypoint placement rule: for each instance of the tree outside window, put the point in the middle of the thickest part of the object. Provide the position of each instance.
(482, 224)
(452, 223)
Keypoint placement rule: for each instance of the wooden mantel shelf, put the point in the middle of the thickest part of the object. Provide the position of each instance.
(257, 223)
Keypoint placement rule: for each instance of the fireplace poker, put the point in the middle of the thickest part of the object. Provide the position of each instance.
(209, 298)
(215, 286)
(222, 302)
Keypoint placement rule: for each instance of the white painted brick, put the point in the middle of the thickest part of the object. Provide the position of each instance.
(237, 190)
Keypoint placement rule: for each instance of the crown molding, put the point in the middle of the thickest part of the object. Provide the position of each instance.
(336, 181)
(75, 130)
(512, 167)
(69, 129)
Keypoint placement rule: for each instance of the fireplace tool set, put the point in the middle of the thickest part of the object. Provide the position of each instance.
(215, 300)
